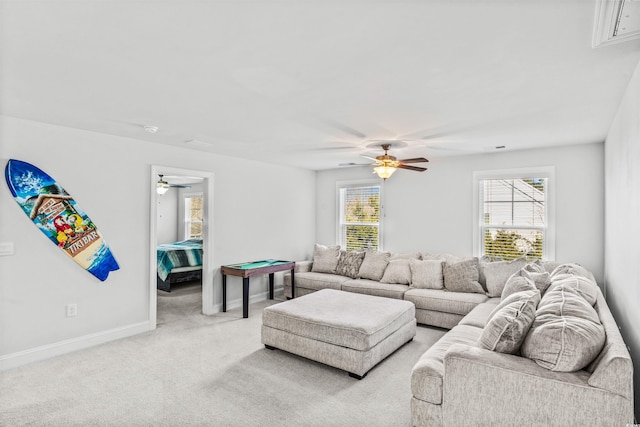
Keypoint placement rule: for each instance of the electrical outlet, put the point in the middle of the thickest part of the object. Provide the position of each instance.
(72, 310)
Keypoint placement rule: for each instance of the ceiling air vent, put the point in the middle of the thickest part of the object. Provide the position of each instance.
(616, 21)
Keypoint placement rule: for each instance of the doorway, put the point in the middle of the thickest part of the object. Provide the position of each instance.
(206, 188)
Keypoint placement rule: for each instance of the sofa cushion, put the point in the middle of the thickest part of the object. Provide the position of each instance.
(508, 326)
(517, 283)
(462, 276)
(397, 271)
(373, 265)
(426, 274)
(566, 334)
(585, 287)
(317, 281)
(480, 314)
(573, 269)
(349, 263)
(427, 373)
(497, 273)
(371, 287)
(325, 258)
(444, 301)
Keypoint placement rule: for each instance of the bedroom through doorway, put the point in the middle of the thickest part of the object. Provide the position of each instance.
(180, 235)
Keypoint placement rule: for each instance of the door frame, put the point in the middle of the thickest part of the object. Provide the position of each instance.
(208, 304)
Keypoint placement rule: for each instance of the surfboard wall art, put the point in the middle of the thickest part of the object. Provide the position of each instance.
(58, 216)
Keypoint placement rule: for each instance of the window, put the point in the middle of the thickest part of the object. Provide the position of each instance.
(359, 217)
(514, 214)
(193, 216)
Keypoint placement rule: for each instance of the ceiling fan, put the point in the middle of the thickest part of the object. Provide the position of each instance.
(385, 165)
(163, 186)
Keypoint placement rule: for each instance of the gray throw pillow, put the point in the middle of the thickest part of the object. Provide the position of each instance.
(349, 263)
(517, 283)
(497, 273)
(462, 276)
(325, 258)
(373, 265)
(426, 274)
(508, 327)
(586, 288)
(397, 272)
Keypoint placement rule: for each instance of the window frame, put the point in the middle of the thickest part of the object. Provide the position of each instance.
(187, 220)
(340, 185)
(548, 172)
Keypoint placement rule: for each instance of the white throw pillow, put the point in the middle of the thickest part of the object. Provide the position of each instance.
(426, 274)
(397, 272)
(325, 258)
(373, 265)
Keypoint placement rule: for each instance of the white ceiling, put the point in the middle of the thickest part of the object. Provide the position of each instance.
(311, 83)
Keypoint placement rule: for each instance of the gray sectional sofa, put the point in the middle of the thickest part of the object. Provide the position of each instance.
(528, 343)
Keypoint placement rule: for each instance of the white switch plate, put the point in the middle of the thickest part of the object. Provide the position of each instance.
(6, 248)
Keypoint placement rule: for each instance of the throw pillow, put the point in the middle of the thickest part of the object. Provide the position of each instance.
(373, 265)
(517, 283)
(462, 276)
(349, 263)
(566, 335)
(507, 329)
(325, 258)
(406, 255)
(586, 288)
(426, 274)
(497, 273)
(515, 297)
(540, 280)
(398, 272)
(535, 267)
(572, 268)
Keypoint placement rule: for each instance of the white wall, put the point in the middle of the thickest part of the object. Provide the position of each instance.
(622, 225)
(109, 177)
(167, 210)
(432, 211)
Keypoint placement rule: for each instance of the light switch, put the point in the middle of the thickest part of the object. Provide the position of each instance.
(6, 248)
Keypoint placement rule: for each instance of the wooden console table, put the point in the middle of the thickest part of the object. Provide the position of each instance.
(248, 269)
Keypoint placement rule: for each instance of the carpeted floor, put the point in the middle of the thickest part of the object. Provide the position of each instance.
(197, 370)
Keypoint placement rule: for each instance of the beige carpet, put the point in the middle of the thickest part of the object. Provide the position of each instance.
(197, 370)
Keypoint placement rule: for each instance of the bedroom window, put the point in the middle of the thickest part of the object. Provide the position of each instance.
(193, 216)
(515, 214)
(359, 216)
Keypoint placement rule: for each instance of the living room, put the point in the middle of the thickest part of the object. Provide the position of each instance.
(267, 209)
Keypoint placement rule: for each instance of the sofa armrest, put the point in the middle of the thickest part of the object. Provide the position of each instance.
(303, 266)
(493, 388)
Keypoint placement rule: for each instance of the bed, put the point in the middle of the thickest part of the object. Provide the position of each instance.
(179, 262)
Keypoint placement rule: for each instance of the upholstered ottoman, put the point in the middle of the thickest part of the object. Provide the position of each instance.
(349, 331)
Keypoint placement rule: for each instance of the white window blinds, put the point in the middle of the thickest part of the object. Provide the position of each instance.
(513, 219)
(360, 217)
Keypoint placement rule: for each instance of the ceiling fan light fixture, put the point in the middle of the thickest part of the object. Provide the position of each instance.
(384, 171)
(162, 186)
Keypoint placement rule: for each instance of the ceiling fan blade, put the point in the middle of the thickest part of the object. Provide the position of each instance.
(350, 164)
(369, 157)
(412, 168)
(414, 160)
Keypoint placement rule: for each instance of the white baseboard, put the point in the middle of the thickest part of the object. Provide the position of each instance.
(24, 357)
(20, 358)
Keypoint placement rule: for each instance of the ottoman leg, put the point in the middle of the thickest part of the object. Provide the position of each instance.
(356, 376)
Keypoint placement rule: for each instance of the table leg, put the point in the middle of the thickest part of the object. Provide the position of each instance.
(245, 297)
(224, 293)
(293, 284)
(271, 285)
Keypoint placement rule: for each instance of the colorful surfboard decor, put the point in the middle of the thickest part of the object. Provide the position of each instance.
(58, 216)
